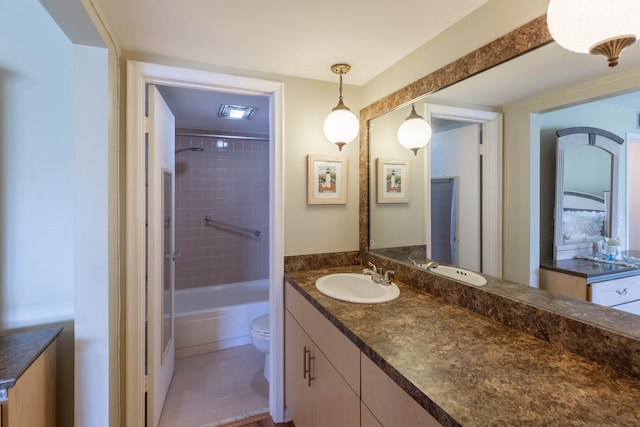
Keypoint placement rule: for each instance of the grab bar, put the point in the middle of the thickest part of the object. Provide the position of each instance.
(255, 233)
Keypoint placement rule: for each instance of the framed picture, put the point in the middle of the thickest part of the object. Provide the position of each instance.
(326, 180)
(393, 181)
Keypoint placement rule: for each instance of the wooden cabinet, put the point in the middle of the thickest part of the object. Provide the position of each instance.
(32, 400)
(387, 403)
(322, 368)
(622, 294)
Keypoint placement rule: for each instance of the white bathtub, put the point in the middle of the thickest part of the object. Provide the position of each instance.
(216, 317)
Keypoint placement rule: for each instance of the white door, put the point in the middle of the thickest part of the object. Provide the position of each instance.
(160, 271)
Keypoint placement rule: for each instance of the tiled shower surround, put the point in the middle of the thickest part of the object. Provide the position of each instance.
(228, 181)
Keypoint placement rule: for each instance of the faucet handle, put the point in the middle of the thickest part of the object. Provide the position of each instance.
(373, 267)
(387, 274)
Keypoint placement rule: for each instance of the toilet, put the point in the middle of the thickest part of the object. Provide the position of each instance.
(260, 334)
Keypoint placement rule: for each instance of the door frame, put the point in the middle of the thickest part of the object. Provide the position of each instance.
(491, 180)
(139, 74)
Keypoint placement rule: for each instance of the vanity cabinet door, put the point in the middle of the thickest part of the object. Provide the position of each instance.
(387, 402)
(322, 368)
(297, 393)
(32, 400)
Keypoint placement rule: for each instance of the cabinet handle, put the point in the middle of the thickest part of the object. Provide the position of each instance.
(621, 291)
(306, 364)
(310, 378)
(305, 369)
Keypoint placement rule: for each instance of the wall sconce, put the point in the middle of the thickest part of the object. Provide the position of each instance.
(414, 133)
(595, 26)
(341, 125)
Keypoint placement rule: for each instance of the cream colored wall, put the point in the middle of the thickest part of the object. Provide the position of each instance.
(396, 224)
(316, 228)
(494, 19)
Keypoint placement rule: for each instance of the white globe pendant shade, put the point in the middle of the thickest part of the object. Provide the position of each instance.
(414, 133)
(341, 127)
(595, 26)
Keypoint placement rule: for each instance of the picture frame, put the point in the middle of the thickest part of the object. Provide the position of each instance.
(393, 180)
(326, 180)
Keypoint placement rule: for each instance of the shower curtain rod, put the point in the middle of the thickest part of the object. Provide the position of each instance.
(216, 135)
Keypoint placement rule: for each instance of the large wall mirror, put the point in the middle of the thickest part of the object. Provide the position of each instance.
(493, 79)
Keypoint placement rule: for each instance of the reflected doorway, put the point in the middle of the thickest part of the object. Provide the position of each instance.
(443, 219)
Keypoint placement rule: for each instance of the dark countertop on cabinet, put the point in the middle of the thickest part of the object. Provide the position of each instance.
(467, 369)
(592, 271)
(19, 350)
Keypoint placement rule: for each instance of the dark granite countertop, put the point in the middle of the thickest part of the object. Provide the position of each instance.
(592, 271)
(18, 351)
(469, 370)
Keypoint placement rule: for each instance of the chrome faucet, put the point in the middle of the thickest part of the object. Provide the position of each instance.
(424, 266)
(428, 265)
(378, 275)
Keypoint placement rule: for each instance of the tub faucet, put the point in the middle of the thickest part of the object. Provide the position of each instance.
(378, 275)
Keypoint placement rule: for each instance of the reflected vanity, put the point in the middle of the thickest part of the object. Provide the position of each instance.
(586, 212)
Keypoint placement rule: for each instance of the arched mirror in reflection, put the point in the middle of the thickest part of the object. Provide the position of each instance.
(587, 191)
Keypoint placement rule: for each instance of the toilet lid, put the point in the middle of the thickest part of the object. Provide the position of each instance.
(260, 325)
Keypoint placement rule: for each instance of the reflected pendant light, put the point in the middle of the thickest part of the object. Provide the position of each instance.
(414, 133)
(595, 26)
(341, 125)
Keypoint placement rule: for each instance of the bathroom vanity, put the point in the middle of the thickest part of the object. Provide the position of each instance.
(610, 285)
(419, 360)
(28, 378)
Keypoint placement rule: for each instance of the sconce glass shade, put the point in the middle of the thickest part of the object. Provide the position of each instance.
(341, 127)
(414, 133)
(595, 26)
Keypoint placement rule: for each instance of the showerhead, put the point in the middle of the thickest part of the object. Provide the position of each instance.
(180, 150)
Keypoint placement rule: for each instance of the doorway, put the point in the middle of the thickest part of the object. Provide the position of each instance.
(444, 222)
(139, 75)
(221, 255)
(485, 159)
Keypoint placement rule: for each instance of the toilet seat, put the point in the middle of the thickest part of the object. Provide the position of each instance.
(260, 326)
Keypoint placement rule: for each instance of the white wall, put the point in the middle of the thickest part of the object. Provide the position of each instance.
(91, 232)
(53, 201)
(36, 279)
(36, 182)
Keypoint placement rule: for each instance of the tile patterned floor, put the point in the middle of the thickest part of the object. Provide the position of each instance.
(209, 388)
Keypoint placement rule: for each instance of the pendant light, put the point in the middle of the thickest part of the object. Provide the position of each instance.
(414, 133)
(341, 125)
(595, 26)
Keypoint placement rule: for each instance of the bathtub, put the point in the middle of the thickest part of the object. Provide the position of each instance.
(212, 318)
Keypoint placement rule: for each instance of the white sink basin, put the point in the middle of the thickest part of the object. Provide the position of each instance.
(459, 274)
(353, 287)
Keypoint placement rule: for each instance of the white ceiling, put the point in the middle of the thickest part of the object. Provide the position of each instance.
(291, 37)
(304, 38)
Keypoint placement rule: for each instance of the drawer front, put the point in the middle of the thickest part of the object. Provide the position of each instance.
(614, 292)
(630, 307)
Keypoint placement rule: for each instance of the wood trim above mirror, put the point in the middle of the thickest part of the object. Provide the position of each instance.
(524, 39)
